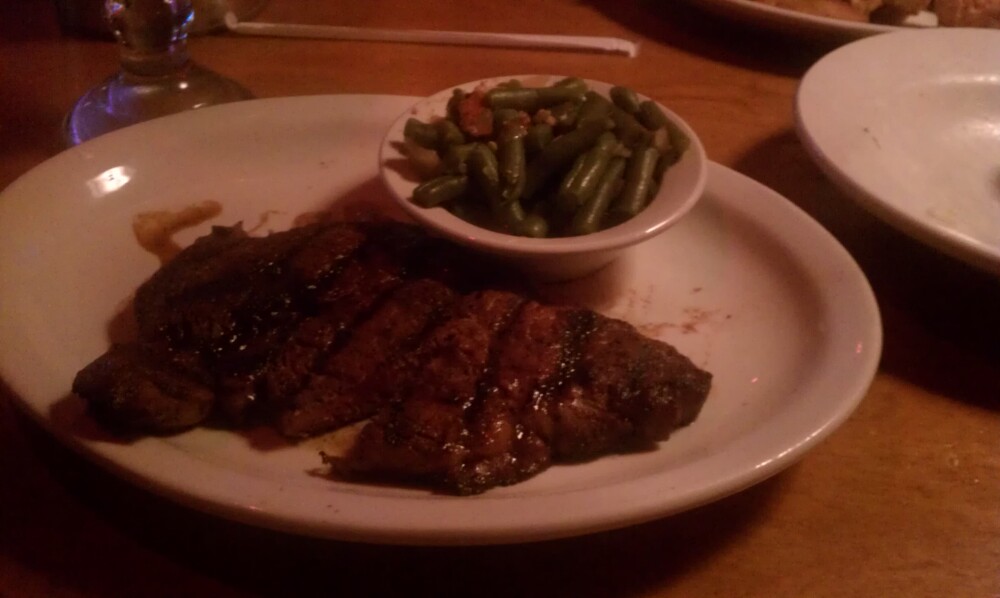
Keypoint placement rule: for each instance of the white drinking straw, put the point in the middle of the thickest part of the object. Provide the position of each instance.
(612, 45)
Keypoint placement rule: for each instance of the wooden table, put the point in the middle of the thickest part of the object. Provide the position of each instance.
(903, 500)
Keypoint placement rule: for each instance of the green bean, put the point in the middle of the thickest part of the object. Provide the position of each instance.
(562, 198)
(448, 134)
(632, 134)
(625, 98)
(509, 216)
(594, 162)
(589, 217)
(512, 126)
(455, 158)
(515, 99)
(651, 116)
(510, 156)
(442, 189)
(426, 163)
(533, 225)
(565, 114)
(595, 107)
(550, 96)
(575, 83)
(661, 141)
(560, 153)
(537, 137)
(639, 183)
(485, 171)
(530, 99)
(421, 133)
(679, 142)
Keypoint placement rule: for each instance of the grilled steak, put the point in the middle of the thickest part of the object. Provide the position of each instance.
(467, 383)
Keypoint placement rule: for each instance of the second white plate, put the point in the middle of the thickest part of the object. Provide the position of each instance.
(909, 125)
(747, 285)
(805, 24)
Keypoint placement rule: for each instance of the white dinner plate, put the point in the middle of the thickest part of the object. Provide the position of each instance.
(909, 125)
(747, 285)
(790, 21)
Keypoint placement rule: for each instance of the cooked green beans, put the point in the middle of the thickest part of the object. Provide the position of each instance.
(537, 137)
(586, 174)
(594, 107)
(534, 225)
(638, 183)
(651, 116)
(589, 217)
(455, 158)
(438, 135)
(625, 98)
(573, 82)
(629, 130)
(485, 171)
(560, 154)
(510, 156)
(423, 134)
(441, 190)
(564, 115)
(530, 99)
(560, 160)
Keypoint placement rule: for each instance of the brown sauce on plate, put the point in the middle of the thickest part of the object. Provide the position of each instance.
(155, 230)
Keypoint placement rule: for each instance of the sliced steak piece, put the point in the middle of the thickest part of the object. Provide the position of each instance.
(229, 297)
(335, 396)
(360, 286)
(557, 384)
(468, 417)
(584, 421)
(135, 390)
(507, 427)
(421, 433)
(213, 294)
(668, 381)
(626, 391)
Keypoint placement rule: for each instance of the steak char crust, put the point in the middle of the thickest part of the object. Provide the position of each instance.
(466, 383)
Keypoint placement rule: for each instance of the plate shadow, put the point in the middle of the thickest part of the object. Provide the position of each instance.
(940, 315)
